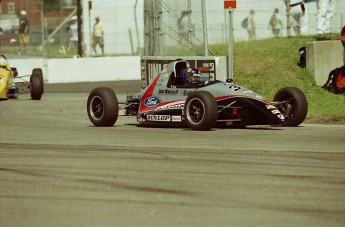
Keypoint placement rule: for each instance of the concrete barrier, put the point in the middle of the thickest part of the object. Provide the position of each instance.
(69, 70)
(324, 56)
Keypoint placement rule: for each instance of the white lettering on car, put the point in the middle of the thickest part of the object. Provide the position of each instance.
(171, 107)
(176, 118)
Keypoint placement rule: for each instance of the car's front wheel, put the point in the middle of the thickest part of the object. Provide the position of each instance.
(201, 110)
(36, 84)
(293, 104)
(102, 107)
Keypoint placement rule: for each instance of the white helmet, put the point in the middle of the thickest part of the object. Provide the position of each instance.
(23, 12)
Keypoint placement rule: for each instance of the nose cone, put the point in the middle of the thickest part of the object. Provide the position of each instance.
(277, 118)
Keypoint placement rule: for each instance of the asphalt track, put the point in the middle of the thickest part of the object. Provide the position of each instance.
(56, 169)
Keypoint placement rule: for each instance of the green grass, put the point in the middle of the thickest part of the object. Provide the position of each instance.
(265, 66)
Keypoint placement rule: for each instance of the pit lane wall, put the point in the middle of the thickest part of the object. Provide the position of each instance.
(324, 56)
(71, 70)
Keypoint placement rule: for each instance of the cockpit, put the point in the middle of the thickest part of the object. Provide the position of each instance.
(185, 76)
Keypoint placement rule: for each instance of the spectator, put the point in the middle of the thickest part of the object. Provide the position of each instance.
(299, 13)
(73, 31)
(325, 12)
(251, 28)
(98, 35)
(276, 23)
(71, 42)
(23, 32)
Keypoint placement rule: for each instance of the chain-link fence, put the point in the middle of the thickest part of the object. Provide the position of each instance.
(43, 36)
(174, 26)
(137, 27)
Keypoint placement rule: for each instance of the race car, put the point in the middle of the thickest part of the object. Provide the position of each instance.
(181, 96)
(10, 89)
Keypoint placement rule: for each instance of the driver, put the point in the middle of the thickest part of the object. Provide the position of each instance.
(190, 76)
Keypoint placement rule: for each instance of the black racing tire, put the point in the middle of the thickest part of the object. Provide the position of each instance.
(294, 105)
(102, 107)
(36, 84)
(201, 110)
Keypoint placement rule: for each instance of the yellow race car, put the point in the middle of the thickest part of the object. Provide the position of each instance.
(10, 89)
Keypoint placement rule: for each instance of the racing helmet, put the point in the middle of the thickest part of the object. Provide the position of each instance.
(190, 75)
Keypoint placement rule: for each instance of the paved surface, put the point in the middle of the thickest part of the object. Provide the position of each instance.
(56, 169)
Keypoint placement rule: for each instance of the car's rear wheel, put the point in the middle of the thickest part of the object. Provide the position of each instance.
(102, 107)
(293, 105)
(201, 110)
(36, 84)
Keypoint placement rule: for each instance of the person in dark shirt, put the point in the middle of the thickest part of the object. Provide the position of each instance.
(23, 32)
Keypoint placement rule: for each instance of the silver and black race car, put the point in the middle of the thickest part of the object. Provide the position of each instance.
(181, 96)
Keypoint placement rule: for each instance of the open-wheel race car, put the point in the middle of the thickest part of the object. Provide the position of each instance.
(10, 89)
(181, 96)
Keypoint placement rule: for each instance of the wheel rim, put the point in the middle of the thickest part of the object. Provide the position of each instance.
(97, 107)
(195, 111)
(288, 106)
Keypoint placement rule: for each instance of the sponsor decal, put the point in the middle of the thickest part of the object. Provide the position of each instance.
(147, 93)
(275, 111)
(151, 101)
(151, 117)
(171, 107)
(167, 92)
(176, 118)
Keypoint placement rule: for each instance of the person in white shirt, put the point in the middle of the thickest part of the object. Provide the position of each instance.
(98, 35)
(73, 31)
(299, 13)
(325, 12)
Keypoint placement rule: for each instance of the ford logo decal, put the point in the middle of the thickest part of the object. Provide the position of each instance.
(151, 101)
